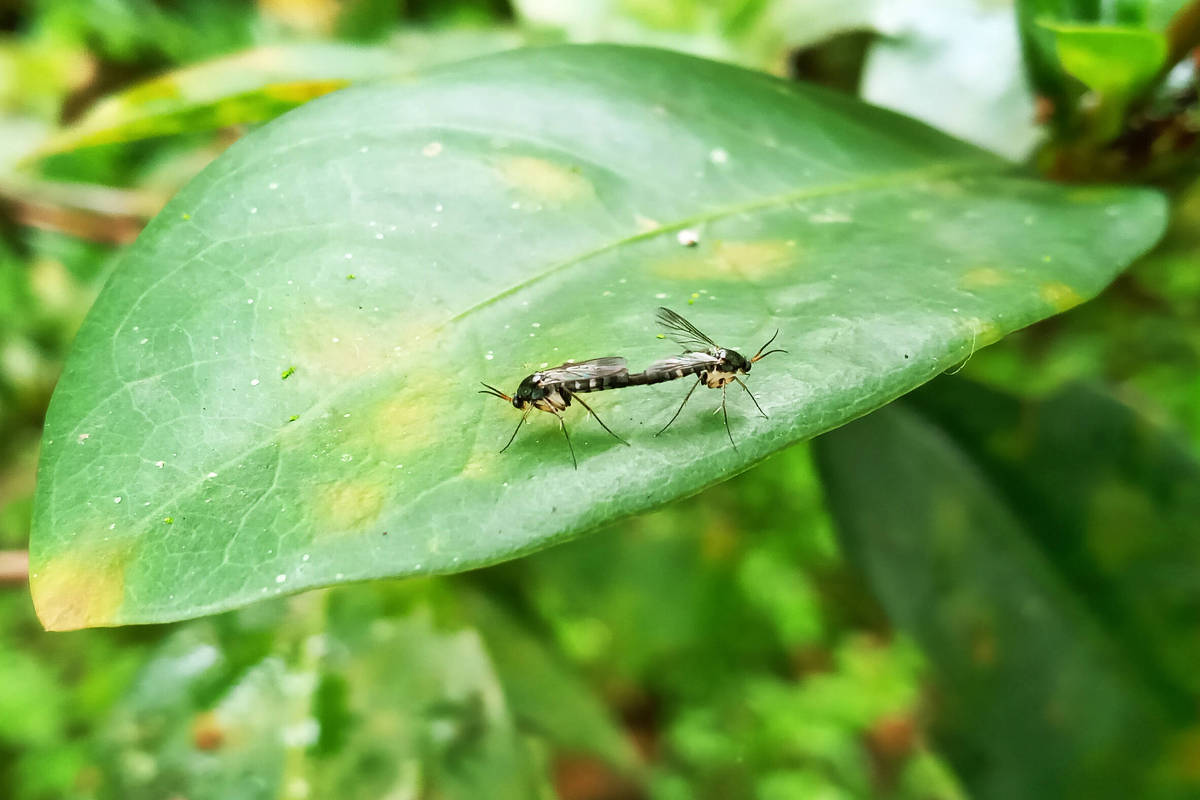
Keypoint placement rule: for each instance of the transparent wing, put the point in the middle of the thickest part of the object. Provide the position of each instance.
(682, 361)
(583, 370)
(684, 333)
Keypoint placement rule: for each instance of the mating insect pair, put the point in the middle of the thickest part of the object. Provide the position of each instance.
(551, 390)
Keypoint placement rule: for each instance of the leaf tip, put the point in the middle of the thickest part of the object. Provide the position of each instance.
(79, 589)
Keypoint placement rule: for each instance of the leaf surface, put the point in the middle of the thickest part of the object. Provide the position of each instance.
(276, 389)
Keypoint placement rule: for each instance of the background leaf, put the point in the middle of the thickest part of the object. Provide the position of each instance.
(396, 244)
(1033, 550)
(1109, 60)
(337, 706)
(257, 85)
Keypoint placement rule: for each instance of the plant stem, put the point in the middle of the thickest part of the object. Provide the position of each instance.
(14, 567)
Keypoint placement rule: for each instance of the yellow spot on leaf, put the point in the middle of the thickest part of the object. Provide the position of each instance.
(645, 224)
(80, 588)
(545, 180)
(410, 421)
(984, 331)
(1059, 295)
(983, 278)
(348, 506)
(326, 345)
(733, 261)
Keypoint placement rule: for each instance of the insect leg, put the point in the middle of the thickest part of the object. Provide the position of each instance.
(725, 414)
(681, 405)
(563, 425)
(519, 424)
(747, 388)
(602, 425)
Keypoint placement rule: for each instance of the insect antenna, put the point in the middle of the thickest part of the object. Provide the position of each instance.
(681, 405)
(747, 388)
(494, 392)
(517, 429)
(761, 355)
(597, 416)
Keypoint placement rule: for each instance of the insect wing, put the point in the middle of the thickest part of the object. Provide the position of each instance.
(684, 333)
(585, 370)
(686, 361)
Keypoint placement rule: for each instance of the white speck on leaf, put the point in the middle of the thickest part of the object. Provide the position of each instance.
(116, 499)
(160, 464)
(688, 237)
(432, 149)
(254, 382)
(280, 578)
(718, 155)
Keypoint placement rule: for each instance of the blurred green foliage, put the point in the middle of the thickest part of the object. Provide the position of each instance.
(722, 646)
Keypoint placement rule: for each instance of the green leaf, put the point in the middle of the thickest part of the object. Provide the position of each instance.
(502, 215)
(258, 85)
(1042, 554)
(1112, 61)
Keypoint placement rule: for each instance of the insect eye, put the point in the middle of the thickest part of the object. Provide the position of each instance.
(746, 366)
(516, 402)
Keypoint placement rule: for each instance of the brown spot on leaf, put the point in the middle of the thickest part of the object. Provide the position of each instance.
(207, 732)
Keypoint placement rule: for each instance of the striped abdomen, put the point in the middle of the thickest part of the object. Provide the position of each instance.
(580, 385)
(675, 367)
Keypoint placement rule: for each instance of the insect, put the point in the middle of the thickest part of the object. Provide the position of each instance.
(552, 390)
(713, 365)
